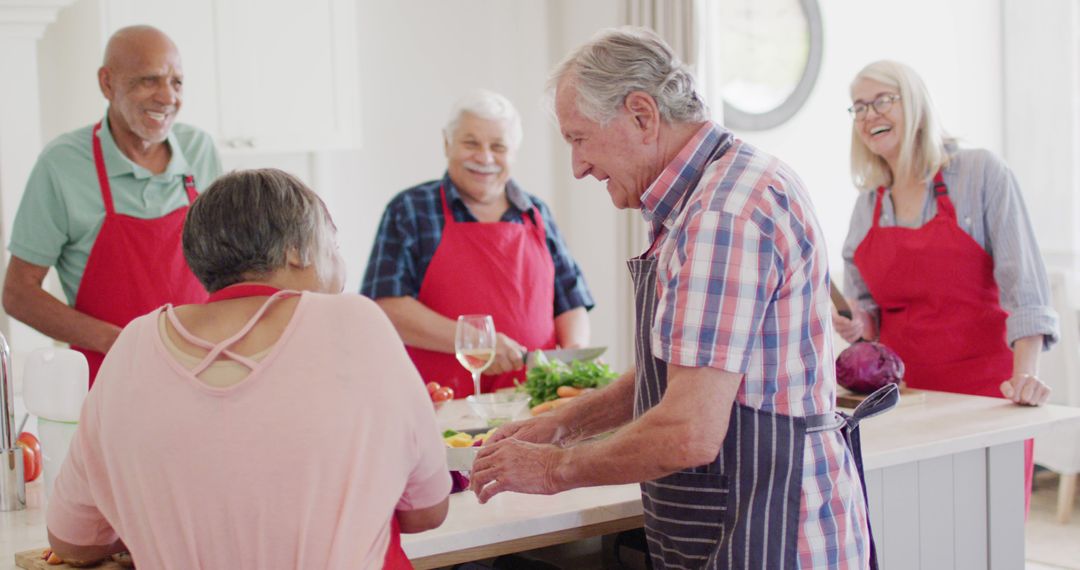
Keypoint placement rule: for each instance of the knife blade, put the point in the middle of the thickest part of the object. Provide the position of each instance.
(566, 355)
(839, 301)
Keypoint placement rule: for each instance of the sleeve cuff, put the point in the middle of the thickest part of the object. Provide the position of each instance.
(80, 526)
(426, 493)
(732, 359)
(1033, 321)
(387, 291)
(30, 256)
(570, 306)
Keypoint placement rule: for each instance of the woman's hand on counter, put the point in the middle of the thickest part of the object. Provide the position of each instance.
(1026, 390)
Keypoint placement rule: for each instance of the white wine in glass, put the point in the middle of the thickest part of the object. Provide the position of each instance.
(474, 344)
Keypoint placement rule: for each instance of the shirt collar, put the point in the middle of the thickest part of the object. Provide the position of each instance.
(516, 196)
(665, 194)
(118, 164)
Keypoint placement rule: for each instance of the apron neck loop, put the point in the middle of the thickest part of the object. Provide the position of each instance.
(941, 195)
(939, 185)
(718, 151)
(877, 205)
(189, 187)
(447, 214)
(102, 173)
(241, 290)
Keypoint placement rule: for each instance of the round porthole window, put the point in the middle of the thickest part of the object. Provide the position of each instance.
(769, 58)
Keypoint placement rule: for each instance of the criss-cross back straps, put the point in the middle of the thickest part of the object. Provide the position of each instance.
(222, 348)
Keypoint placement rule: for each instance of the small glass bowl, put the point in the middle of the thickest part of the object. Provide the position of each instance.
(499, 407)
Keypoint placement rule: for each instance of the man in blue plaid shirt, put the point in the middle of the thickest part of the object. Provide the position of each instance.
(475, 242)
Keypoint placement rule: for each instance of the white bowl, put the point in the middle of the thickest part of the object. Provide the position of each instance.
(499, 407)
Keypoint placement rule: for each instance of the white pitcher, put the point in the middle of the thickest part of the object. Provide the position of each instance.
(55, 383)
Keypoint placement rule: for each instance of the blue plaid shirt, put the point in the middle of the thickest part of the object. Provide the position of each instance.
(411, 229)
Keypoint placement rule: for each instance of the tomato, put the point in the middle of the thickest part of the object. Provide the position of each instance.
(432, 386)
(443, 394)
(32, 458)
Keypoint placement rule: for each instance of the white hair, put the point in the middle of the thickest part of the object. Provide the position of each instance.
(486, 105)
(619, 61)
(922, 151)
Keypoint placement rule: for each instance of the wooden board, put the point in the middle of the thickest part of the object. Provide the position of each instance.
(31, 560)
(847, 399)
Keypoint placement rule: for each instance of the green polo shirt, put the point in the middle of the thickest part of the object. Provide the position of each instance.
(61, 211)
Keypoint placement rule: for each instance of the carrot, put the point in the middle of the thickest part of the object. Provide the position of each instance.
(559, 402)
(568, 391)
(539, 409)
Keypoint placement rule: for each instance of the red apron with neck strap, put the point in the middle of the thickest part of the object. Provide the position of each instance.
(940, 307)
(500, 269)
(136, 265)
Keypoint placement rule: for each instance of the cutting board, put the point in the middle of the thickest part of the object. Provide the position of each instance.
(31, 560)
(908, 396)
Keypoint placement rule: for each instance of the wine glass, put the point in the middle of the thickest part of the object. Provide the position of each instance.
(474, 345)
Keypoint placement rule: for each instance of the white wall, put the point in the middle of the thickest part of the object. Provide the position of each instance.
(957, 48)
(1042, 110)
(417, 56)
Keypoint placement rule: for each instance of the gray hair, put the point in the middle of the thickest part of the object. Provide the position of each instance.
(922, 151)
(619, 61)
(486, 105)
(245, 224)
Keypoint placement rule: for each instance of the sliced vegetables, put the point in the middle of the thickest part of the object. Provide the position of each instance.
(455, 438)
(544, 380)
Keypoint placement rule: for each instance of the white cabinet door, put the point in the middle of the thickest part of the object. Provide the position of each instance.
(287, 73)
(261, 75)
(190, 25)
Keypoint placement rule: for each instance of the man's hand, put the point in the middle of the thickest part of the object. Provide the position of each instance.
(541, 429)
(25, 300)
(508, 356)
(1026, 390)
(516, 465)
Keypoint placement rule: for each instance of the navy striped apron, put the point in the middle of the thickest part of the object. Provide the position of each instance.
(741, 510)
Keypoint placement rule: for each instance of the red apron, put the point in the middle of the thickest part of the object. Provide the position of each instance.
(500, 269)
(940, 307)
(136, 264)
(395, 558)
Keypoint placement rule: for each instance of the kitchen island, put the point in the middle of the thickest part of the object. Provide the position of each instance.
(944, 479)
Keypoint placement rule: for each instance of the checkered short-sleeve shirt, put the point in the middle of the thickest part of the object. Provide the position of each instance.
(743, 287)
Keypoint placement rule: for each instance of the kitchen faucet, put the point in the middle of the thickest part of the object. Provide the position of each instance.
(12, 484)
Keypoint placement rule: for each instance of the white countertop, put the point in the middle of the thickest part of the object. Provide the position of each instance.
(944, 424)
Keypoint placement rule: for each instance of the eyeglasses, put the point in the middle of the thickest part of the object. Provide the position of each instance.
(881, 105)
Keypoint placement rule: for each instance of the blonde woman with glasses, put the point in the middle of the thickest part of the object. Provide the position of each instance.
(940, 259)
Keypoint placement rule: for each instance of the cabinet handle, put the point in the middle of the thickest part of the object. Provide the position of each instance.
(239, 142)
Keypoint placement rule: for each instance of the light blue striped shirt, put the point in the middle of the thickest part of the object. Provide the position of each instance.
(989, 208)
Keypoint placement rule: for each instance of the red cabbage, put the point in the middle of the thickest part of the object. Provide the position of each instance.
(459, 481)
(866, 366)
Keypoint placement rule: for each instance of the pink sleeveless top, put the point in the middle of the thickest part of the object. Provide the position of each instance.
(300, 465)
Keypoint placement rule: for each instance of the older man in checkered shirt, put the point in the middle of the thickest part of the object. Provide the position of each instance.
(728, 419)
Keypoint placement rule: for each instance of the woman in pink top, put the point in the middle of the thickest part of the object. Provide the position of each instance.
(280, 425)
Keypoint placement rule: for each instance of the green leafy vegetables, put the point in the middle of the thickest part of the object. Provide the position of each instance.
(543, 380)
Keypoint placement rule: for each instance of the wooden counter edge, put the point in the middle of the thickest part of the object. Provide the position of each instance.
(527, 543)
